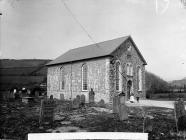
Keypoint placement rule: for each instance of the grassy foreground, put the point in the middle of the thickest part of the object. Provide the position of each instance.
(18, 119)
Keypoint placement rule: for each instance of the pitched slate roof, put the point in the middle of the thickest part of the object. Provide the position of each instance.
(91, 51)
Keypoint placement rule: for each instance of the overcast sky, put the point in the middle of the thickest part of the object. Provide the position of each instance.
(45, 29)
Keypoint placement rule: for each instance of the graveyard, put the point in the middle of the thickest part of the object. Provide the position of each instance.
(19, 118)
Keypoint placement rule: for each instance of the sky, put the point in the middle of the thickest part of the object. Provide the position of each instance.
(45, 29)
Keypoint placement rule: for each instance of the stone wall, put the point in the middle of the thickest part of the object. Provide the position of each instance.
(101, 76)
(98, 71)
(127, 57)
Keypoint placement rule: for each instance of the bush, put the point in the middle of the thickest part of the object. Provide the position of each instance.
(148, 94)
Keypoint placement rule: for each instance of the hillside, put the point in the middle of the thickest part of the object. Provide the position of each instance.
(155, 84)
(179, 83)
(33, 71)
(23, 72)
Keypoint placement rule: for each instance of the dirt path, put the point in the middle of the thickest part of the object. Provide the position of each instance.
(155, 103)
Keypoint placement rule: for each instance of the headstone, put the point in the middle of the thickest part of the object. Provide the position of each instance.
(25, 100)
(101, 103)
(36, 93)
(11, 94)
(47, 110)
(179, 108)
(17, 95)
(123, 114)
(82, 98)
(69, 106)
(115, 104)
(182, 123)
(148, 125)
(62, 98)
(78, 98)
(51, 97)
(91, 96)
(121, 99)
(76, 103)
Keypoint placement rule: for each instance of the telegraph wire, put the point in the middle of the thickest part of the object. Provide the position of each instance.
(83, 28)
(75, 18)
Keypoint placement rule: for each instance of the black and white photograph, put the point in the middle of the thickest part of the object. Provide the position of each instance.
(93, 69)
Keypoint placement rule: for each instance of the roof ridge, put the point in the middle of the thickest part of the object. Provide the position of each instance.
(99, 42)
(99, 49)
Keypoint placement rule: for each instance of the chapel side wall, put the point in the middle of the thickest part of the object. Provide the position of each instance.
(98, 73)
(52, 81)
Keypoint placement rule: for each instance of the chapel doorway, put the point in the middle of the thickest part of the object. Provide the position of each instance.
(129, 87)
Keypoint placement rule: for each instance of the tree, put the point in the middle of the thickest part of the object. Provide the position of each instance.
(154, 84)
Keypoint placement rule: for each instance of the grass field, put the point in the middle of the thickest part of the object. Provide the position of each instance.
(18, 119)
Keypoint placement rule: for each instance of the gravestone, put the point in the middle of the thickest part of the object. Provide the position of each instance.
(123, 114)
(69, 106)
(179, 108)
(51, 97)
(121, 99)
(148, 125)
(47, 110)
(78, 98)
(101, 103)
(76, 103)
(115, 104)
(36, 94)
(91, 96)
(62, 98)
(82, 98)
(182, 123)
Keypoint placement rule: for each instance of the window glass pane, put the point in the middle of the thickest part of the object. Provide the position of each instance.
(62, 81)
(84, 77)
(117, 75)
(128, 69)
(131, 70)
(139, 79)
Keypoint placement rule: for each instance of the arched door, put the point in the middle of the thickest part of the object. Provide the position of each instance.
(129, 86)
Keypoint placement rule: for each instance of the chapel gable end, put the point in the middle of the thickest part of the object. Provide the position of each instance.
(129, 52)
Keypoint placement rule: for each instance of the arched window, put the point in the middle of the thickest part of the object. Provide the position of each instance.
(129, 69)
(84, 71)
(118, 76)
(62, 78)
(139, 78)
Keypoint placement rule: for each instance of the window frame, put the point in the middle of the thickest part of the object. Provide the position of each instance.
(119, 79)
(82, 77)
(129, 68)
(62, 78)
(139, 77)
